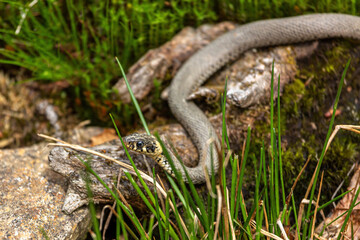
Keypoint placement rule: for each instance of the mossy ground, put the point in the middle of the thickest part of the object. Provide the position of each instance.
(304, 104)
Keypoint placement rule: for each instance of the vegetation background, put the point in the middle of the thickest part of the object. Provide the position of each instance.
(76, 41)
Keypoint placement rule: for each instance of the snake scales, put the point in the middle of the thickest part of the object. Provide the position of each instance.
(214, 56)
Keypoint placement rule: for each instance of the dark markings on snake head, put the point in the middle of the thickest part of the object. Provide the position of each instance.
(150, 149)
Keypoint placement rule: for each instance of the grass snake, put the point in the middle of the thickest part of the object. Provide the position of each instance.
(211, 58)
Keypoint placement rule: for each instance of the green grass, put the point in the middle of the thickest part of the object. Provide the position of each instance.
(76, 41)
(223, 213)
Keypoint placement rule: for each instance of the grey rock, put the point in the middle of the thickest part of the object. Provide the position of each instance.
(68, 163)
(32, 196)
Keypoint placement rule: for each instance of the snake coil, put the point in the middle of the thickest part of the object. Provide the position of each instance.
(223, 50)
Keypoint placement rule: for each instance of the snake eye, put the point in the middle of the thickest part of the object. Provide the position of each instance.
(139, 144)
(150, 149)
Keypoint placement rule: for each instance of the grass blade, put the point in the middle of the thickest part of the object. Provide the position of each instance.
(326, 140)
(133, 99)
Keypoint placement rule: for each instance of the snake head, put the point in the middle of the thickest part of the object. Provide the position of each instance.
(143, 143)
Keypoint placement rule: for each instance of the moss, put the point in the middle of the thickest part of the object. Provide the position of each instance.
(156, 100)
(292, 95)
(304, 126)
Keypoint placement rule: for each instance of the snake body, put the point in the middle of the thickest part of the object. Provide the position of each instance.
(221, 51)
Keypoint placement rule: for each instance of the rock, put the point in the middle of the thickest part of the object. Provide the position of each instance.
(32, 196)
(67, 162)
(250, 77)
(156, 63)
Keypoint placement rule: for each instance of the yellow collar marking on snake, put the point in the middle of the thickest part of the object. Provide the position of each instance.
(149, 146)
